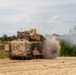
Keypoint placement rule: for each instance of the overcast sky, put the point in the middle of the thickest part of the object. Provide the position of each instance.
(47, 16)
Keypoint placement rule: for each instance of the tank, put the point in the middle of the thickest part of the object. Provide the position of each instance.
(29, 45)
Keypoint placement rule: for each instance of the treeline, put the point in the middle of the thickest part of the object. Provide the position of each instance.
(67, 49)
(7, 38)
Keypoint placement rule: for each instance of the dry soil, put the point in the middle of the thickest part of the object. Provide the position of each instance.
(58, 66)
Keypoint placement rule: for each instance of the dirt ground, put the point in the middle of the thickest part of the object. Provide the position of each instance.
(58, 66)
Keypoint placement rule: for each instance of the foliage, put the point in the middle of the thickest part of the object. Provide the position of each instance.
(67, 49)
(5, 38)
(12, 37)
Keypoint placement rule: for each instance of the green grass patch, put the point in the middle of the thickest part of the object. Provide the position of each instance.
(3, 53)
(3, 56)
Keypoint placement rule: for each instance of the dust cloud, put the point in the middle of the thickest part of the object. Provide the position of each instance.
(50, 48)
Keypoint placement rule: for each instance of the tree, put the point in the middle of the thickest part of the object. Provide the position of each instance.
(12, 37)
(67, 49)
(4, 38)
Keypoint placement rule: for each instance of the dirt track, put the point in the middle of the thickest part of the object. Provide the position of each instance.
(58, 66)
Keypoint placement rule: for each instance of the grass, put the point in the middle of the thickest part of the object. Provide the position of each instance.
(2, 53)
(3, 56)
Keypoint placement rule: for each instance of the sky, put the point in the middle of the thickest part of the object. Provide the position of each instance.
(47, 16)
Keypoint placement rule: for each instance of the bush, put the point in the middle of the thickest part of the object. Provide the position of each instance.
(67, 49)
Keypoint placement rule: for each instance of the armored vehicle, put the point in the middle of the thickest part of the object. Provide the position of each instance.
(28, 45)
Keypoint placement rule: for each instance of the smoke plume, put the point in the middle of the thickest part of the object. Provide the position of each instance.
(51, 48)
(71, 39)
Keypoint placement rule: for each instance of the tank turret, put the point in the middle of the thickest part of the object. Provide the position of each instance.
(30, 35)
